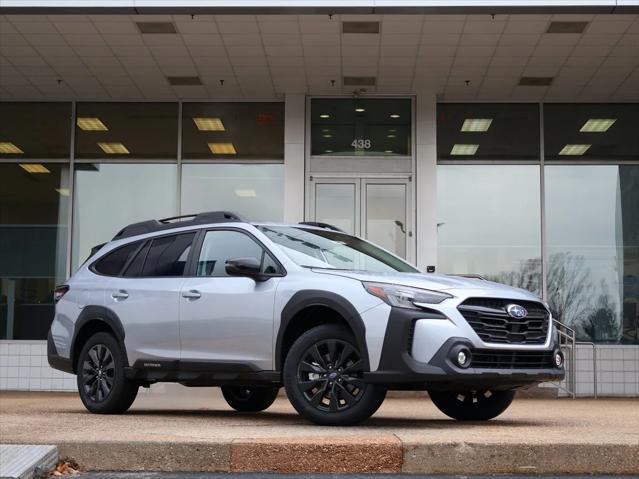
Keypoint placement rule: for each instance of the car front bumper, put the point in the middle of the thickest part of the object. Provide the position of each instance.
(404, 365)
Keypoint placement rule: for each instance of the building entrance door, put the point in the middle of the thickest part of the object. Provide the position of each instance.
(378, 209)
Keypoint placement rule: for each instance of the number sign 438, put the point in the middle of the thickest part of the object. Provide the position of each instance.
(361, 144)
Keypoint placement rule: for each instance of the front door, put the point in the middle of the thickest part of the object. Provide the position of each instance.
(377, 209)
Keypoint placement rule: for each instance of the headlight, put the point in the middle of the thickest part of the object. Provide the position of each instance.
(405, 296)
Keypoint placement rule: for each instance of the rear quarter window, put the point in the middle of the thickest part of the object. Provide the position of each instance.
(113, 263)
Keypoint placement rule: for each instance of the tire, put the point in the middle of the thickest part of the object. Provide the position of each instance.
(472, 405)
(102, 385)
(323, 378)
(249, 399)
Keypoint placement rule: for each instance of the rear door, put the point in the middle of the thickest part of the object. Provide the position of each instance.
(226, 319)
(146, 297)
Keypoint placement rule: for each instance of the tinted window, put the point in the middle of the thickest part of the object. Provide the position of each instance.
(220, 246)
(167, 256)
(135, 267)
(112, 263)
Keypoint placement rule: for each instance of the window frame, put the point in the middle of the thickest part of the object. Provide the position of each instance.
(191, 267)
(93, 265)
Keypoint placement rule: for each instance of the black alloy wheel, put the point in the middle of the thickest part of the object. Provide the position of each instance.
(329, 375)
(98, 373)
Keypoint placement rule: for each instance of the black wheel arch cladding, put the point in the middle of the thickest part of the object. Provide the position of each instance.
(103, 315)
(309, 298)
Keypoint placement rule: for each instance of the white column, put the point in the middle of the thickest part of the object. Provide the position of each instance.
(426, 179)
(294, 129)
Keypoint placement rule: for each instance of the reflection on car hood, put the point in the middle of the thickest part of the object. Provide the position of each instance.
(435, 282)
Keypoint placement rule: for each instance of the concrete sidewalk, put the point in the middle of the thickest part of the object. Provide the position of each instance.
(194, 430)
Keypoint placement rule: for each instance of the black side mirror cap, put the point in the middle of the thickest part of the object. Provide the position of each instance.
(245, 267)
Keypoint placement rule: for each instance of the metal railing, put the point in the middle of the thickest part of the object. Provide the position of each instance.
(568, 344)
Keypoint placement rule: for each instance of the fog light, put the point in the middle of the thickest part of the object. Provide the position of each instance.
(559, 359)
(462, 358)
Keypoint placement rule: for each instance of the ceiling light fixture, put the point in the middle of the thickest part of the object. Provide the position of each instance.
(390, 136)
(63, 191)
(114, 148)
(574, 150)
(360, 110)
(394, 116)
(328, 151)
(327, 136)
(597, 125)
(464, 150)
(222, 148)
(325, 115)
(9, 148)
(388, 151)
(91, 124)
(245, 193)
(475, 125)
(34, 168)
(209, 124)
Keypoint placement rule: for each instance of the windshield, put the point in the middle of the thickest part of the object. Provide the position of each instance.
(315, 248)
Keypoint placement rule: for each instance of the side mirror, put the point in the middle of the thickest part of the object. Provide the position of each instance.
(246, 267)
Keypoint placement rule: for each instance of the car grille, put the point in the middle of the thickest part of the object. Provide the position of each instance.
(498, 359)
(491, 322)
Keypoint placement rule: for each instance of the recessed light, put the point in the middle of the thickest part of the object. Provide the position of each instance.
(114, 148)
(597, 125)
(476, 124)
(392, 130)
(34, 168)
(325, 115)
(184, 80)
(156, 27)
(91, 124)
(464, 149)
(327, 136)
(63, 191)
(574, 150)
(222, 148)
(208, 124)
(388, 151)
(567, 27)
(535, 81)
(394, 115)
(390, 136)
(360, 27)
(326, 130)
(245, 193)
(360, 110)
(328, 151)
(9, 148)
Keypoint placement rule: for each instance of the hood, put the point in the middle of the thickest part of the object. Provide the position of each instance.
(436, 282)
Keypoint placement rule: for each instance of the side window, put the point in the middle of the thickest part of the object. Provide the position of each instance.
(220, 246)
(113, 262)
(167, 255)
(135, 267)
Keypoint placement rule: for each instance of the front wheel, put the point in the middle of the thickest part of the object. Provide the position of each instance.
(323, 376)
(472, 405)
(102, 385)
(249, 399)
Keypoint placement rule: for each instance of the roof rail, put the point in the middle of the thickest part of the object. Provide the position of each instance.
(151, 226)
(319, 224)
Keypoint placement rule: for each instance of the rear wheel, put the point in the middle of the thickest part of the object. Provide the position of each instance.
(102, 385)
(249, 399)
(323, 376)
(472, 405)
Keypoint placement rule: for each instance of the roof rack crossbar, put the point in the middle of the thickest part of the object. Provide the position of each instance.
(151, 226)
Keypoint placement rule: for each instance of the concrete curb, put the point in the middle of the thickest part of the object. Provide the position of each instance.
(354, 454)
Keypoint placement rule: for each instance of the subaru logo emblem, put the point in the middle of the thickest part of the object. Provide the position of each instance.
(516, 311)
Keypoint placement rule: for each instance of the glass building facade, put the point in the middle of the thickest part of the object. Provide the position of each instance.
(540, 196)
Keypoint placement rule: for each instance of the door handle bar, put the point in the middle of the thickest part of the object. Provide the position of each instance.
(121, 294)
(192, 294)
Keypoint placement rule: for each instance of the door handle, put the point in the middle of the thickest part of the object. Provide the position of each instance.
(120, 295)
(192, 294)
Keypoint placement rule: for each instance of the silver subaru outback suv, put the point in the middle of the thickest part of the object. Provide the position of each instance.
(213, 300)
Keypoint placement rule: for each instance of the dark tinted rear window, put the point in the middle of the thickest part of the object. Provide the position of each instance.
(112, 263)
(167, 256)
(135, 267)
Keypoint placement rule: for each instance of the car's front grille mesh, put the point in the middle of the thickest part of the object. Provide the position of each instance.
(508, 359)
(492, 323)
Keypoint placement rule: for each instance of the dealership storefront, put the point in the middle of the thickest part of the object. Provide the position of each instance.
(541, 194)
